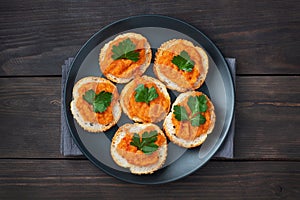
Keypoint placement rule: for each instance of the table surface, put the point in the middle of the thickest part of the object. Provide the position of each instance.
(37, 36)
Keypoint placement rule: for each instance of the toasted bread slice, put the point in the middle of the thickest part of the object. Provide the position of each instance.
(183, 133)
(177, 79)
(137, 161)
(83, 111)
(123, 70)
(154, 111)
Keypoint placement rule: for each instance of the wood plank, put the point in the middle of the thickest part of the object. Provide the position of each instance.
(79, 179)
(261, 129)
(263, 36)
(30, 117)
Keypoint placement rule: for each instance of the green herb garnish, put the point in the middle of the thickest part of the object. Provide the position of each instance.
(197, 120)
(89, 96)
(144, 94)
(180, 113)
(147, 143)
(198, 105)
(99, 101)
(183, 61)
(125, 50)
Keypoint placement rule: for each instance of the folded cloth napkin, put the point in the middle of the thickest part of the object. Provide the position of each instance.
(69, 148)
(226, 149)
(67, 144)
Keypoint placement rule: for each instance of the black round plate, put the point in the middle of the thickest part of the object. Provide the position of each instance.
(218, 86)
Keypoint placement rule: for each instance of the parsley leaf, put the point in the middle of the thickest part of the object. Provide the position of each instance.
(125, 50)
(198, 120)
(144, 94)
(183, 61)
(198, 105)
(89, 96)
(193, 104)
(136, 141)
(147, 144)
(99, 101)
(102, 101)
(203, 105)
(180, 113)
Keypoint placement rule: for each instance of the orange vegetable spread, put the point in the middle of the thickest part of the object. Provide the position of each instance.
(86, 110)
(123, 68)
(135, 156)
(185, 130)
(152, 112)
(172, 72)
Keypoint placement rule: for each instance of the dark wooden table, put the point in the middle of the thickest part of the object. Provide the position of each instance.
(37, 36)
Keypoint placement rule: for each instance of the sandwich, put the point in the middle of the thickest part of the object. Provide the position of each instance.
(145, 99)
(95, 104)
(191, 119)
(140, 147)
(180, 65)
(125, 57)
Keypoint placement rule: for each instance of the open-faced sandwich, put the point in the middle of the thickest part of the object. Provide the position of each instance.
(140, 147)
(181, 65)
(145, 99)
(125, 57)
(95, 104)
(191, 119)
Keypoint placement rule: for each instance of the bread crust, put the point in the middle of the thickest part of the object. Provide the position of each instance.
(171, 84)
(129, 89)
(138, 72)
(121, 161)
(86, 125)
(169, 127)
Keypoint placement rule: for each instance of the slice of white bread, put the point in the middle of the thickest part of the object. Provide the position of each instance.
(161, 152)
(181, 86)
(170, 130)
(129, 90)
(94, 126)
(106, 51)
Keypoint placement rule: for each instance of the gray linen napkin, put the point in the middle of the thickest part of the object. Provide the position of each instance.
(226, 150)
(69, 148)
(67, 144)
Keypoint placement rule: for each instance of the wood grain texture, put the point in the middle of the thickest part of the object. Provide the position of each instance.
(30, 113)
(78, 179)
(267, 117)
(36, 37)
(30, 117)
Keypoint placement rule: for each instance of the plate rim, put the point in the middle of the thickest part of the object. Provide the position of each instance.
(77, 58)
